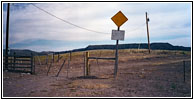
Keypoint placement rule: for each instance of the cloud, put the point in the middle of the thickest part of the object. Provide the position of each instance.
(29, 23)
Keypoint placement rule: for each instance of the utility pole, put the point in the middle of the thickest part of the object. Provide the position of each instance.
(7, 37)
(147, 20)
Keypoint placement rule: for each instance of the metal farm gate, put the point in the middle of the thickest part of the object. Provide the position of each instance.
(17, 63)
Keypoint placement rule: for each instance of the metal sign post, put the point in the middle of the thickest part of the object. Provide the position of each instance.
(116, 57)
(118, 19)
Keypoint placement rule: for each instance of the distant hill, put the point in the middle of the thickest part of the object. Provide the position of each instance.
(20, 52)
(153, 46)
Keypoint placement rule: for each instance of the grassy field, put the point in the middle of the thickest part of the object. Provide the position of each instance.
(111, 53)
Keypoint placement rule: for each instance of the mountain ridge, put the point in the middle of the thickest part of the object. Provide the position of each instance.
(153, 46)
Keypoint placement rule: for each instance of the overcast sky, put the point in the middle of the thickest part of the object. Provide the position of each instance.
(31, 28)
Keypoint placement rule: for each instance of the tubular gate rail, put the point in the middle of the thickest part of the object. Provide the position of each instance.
(19, 64)
(86, 62)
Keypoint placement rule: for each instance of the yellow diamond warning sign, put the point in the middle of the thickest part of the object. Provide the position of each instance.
(119, 18)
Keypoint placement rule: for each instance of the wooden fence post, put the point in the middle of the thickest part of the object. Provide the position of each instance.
(60, 68)
(53, 57)
(70, 55)
(49, 68)
(84, 69)
(46, 59)
(14, 60)
(31, 63)
(34, 65)
(184, 70)
(87, 64)
(58, 57)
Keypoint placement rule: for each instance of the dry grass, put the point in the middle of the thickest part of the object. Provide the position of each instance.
(88, 85)
(130, 54)
(169, 62)
(95, 86)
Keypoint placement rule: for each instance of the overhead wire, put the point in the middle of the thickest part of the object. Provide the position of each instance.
(67, 21)
(78, 25)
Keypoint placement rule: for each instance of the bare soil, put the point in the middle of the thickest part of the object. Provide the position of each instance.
(159, 74)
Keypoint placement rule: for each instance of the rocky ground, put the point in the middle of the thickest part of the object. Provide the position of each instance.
(159, 74)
